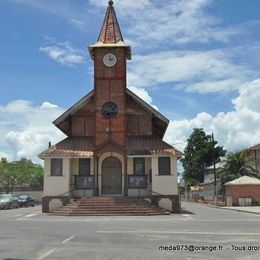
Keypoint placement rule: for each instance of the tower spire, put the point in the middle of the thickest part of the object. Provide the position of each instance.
(110, 34)
(110, 31)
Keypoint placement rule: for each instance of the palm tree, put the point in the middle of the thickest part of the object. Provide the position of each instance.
(235, 167)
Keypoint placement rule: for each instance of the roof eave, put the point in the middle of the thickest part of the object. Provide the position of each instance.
(92, 48)
(70, 111)
(148, 107)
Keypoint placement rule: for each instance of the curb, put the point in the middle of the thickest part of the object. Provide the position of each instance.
(240, 210)
(221, 207)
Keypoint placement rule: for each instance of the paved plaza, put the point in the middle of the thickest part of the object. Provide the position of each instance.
(201, 232)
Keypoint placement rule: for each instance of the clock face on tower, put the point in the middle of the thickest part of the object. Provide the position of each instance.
(109, 109)
(110, 60)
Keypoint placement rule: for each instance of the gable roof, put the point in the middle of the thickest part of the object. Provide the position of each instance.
(244, 180)
(73, 109)
(110, 34)
(161, 120)
(146, 106)
(255, 147)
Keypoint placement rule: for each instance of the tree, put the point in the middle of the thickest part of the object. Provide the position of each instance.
(235, 167)
(20, 173)
(198, 154)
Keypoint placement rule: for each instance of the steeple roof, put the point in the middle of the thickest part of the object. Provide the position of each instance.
(110, 34)
(110, 31)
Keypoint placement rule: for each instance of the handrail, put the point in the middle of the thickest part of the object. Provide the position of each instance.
(70, 190)
(153, 192)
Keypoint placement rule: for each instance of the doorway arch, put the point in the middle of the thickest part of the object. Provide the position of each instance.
(111, 176)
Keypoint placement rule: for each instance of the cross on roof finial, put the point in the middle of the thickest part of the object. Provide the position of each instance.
(110, 2)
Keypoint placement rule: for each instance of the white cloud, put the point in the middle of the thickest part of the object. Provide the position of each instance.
(249, 96)
(144, 95)
(235, 130)
(208, 71)
(173, 21)
(161, 23)
(48, 105)
(64, 53)
(27, 128)
(123, 5)
(79, 23)
(5, 155)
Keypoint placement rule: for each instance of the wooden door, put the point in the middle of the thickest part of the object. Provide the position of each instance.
(111, 176)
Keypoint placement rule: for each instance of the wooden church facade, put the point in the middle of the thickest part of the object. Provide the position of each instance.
(114, 143)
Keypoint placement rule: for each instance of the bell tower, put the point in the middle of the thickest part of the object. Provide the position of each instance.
(110, 54)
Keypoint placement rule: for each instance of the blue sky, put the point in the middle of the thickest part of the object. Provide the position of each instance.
(197, 61)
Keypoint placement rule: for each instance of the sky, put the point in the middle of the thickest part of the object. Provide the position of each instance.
(196, 61)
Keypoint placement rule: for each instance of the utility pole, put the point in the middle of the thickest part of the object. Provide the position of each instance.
(214, 170)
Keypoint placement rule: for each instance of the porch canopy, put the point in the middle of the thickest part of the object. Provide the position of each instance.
(80, 147)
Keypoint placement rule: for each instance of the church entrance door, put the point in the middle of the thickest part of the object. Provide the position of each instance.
(111, 176)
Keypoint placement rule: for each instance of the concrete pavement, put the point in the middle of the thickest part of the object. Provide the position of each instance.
(201, 233)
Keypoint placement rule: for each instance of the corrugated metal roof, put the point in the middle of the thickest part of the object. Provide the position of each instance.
(148, 145)
(84, 147)
(71, 147)
(255, 147)
(243, 181)
(110, 31)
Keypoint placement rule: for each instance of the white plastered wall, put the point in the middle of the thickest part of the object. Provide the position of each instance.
(56, 185)
(100, 161)
(165, 204)
(55, 204)
(164, 184)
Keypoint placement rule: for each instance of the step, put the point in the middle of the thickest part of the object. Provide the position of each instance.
(109, 206)
(110, 213)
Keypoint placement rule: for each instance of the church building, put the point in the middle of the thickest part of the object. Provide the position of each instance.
(114, 144)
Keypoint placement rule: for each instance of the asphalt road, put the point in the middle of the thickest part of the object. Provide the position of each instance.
(27, 234)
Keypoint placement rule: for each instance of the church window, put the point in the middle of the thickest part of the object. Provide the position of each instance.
(109, 109)
(139, 166)
(164, 166)
(84, 167)
(56, 167)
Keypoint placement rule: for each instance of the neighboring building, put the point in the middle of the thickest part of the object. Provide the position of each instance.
(114, 143)
(196, 192)
(242, 190)
(253, 156)
(209, 183)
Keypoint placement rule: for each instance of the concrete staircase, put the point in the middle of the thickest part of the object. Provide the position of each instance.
(109, 206)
